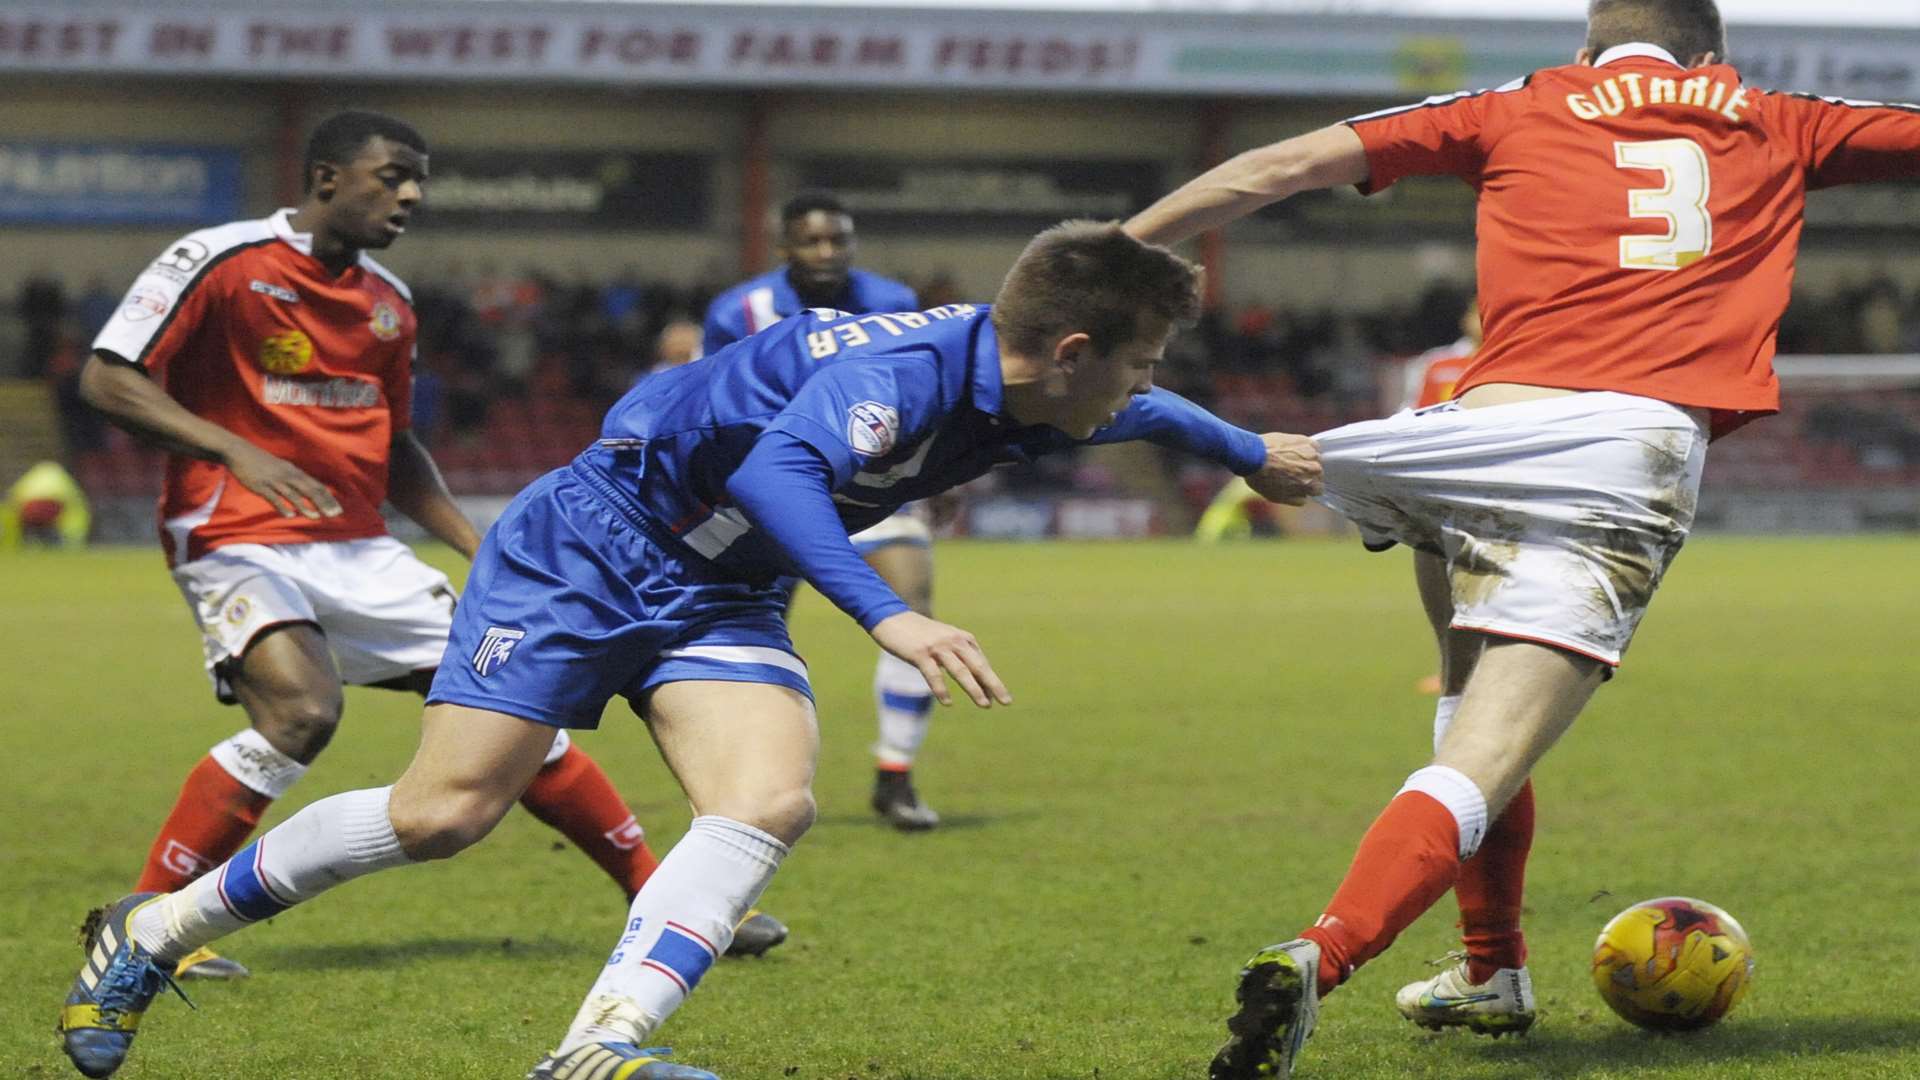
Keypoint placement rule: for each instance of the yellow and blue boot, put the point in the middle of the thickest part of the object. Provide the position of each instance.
(116, 984)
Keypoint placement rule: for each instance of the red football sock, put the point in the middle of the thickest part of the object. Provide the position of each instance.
(1408, 859)
(210, 821)
(1489, 891)
(574, 796)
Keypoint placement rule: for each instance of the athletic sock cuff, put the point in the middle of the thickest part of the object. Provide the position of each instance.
(740, 841)
(1462, 797)
(249, 758)
(366, 828)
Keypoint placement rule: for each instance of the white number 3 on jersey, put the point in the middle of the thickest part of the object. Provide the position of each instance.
(1681, 202)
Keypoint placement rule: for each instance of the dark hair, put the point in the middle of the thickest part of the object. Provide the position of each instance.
(1091, 277)
(340, 137)
(806, 203)
(1685, 28)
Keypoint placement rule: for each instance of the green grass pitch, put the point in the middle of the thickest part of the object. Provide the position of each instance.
(1200, 737)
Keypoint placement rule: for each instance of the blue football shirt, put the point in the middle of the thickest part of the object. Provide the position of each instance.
(758, 303)
(764, 456)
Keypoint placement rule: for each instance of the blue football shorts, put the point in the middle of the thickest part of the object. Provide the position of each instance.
(569, 603)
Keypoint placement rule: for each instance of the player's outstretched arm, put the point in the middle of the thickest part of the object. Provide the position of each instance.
(1230, 191)
(1283, 468)
(415, 488)
(131, 400)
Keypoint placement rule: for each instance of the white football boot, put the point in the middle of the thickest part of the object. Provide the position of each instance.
(1503, 1005)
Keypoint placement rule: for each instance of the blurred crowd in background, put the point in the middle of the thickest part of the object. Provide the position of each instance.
(516, 368)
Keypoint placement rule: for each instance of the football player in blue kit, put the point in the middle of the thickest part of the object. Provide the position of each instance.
(648, 569)
(817, 244)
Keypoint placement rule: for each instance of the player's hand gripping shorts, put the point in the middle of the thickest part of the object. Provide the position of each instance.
(569, 603)
(1557, 517)
(385, 613)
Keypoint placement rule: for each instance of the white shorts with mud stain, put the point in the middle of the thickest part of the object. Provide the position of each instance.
(1557, 517)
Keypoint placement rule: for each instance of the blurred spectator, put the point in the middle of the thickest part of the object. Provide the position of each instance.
(43, 307)
(95, 306)
(939, 290)
(679, 343)
(81, 427)
(44, 506)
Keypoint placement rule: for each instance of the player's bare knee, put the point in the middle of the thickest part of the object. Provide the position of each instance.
(790, 814)
(299, 725)
(785, 813)
(442, 824)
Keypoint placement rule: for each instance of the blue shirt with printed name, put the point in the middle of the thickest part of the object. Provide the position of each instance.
(764, 456)
(760, 302)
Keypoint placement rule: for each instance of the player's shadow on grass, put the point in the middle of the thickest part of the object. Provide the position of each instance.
(1579, 1053)
(373, 956)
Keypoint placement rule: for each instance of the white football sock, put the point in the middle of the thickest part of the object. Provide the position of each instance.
(904, 707)
(1443, 711)
(335, 840)
(1461, 796)
(680, 923)
(249, 758)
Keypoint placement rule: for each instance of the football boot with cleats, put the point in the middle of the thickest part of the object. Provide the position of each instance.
(115, 985)
(756, 933)
(1279, 996)
(204, 963)
(1503, 1005)
(895, 800)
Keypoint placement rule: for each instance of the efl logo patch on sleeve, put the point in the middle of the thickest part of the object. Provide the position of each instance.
(144, 302)
(872, 428)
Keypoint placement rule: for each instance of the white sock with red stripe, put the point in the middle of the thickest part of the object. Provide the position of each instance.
(680, 923)
(335, 840)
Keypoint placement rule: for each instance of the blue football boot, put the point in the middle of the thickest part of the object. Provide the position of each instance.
(112, 991)
(615, 1061)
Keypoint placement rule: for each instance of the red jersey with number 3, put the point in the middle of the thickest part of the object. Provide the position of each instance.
(246, 329)
(1638, 220)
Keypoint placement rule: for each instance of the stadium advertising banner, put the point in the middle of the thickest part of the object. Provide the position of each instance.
(45, 183)
(1185, 51)
(557, 189)
(975, 196)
